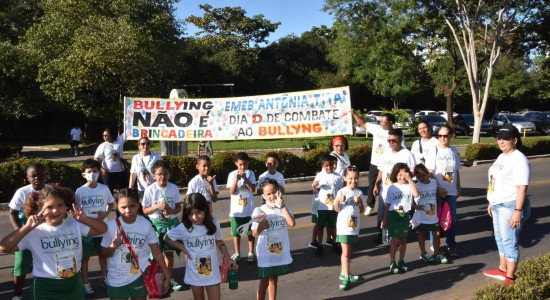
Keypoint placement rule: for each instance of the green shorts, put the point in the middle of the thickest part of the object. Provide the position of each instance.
(347, 239)
(132, 290)
(428, 227)
(314, 219)
(162, 227)
(236, 222)
(398, 224)
(273, 271)
(326, 218)
(22, 264)
(58, 289)
(91, 246)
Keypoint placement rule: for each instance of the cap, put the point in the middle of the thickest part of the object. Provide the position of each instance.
(507, 131)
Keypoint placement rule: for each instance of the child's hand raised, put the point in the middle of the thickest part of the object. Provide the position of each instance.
(37, 219)
(210, 179)
(117, 241)
(77, 213)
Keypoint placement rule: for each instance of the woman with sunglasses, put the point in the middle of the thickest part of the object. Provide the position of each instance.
(508, 203)
(109, 155)
(447, 165)
(142, 166)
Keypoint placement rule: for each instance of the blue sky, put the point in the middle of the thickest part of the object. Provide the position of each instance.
(296, 16)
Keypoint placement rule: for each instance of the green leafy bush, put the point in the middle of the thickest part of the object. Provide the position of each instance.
(532, 282)
(360, 156)
(183, 169)
(535, 146)
(481, 151)
(13, 176)
(8, 149)
(223, 163)
(290, 165)
(311, 160)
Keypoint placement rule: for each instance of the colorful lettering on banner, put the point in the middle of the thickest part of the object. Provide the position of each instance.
(289, 115)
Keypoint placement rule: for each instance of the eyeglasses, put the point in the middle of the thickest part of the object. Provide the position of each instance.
(392, 141)
(145, 144)
(443, 136)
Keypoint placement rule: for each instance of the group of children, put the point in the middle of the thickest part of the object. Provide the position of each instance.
(152, 227)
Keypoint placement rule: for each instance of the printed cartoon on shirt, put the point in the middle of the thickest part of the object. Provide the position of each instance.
(326, 192)
(401, 201)
(201, 246)
(63, 245)
(203, 264)
(428, 201)
(274, 239)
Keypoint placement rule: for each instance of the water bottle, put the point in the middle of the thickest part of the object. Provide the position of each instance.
(385, 236)
(224, 268)
(233, 279)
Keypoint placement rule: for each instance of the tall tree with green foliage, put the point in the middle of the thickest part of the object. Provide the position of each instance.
(91, 53)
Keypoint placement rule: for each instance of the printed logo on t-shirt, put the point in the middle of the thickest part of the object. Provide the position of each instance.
(203, 263)
(92, 205)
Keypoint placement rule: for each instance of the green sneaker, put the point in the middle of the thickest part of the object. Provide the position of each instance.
(344, 285)
(394, 268)
(402, 266)
(428, 258)
(352, 278)
(441, 259)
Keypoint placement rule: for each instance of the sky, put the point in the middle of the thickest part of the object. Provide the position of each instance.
(296, 16)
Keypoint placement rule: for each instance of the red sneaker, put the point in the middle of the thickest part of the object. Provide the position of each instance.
(496, 273)
(509, 281)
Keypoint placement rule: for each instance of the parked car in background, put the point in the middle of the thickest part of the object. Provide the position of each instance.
(410, 112)
(541, 119)
(425, 113)
(376, 113)
(361, 131)
(464, 124)
(517, 121)
(435, 121)
(444, 114)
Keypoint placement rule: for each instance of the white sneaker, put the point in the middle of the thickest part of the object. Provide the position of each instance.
(17, 298)
(175, 285)
(368, 211)
(88, 289)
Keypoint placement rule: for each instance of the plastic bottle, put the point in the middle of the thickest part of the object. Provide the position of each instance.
(224, 268)
(233, 279)
(385, 236)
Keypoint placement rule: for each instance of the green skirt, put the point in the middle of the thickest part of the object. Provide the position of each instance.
(398, 224)
(273, 271)
(58, 289)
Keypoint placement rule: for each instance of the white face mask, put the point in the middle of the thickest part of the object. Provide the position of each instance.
(92, 176)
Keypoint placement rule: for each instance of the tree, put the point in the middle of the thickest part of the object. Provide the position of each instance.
(91, 53)
(483, 30)
(511, 81)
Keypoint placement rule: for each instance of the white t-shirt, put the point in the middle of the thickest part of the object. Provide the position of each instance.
(349, 221)
(154, 194)
(75, 134)
(242, 202)
(273, 244)
(120, 266)
(342, 162)
(447, 164)
(20, 196)
(106, 152)
(200, 185)
(428, 199)
(329, 184)
(143, 167)
(203, 268)
(379, 142)
(277, 177)
(388, 161)
(428, 150)
(56, 250)
(93, 200)
(505, 175)
(399, 197)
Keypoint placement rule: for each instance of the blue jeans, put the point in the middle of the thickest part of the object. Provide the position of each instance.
(508, 238)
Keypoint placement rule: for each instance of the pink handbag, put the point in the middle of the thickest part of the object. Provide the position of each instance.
(444, 214)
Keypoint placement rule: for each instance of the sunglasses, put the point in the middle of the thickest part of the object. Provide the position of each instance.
(392, 141)
(443, 136)
(145, 144)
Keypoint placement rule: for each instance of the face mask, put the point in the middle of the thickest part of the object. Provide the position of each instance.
(92, 176)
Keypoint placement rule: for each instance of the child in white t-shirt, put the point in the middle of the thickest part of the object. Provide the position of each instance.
(162, 203)
(273, 246)
(350, 204)
(124, 276)
(96, 200)
(425, 218)
(204, 183)
(54, 242)
(399, 200)
(271, 162)
(241, 184)
(201, 237)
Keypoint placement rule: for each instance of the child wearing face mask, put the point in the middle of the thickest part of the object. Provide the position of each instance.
(96, 201)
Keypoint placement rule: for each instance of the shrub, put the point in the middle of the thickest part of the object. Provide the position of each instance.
(535, 146)
(183, 169)
(481, 151)
(360, 156)
(290, 165)
(223, 163)
(311, 160)
(8, 149)
(12, 175)
(533, 282)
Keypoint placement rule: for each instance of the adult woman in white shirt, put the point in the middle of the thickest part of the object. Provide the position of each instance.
(425, 146)
(142, 166)
(109, 154)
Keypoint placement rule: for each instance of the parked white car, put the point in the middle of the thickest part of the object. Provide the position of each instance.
(518, 121)
(444, 114)
(376, 113)
(361, 131)
(425, 113)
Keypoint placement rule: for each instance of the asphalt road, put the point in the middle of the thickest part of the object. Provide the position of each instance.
(317, 278)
